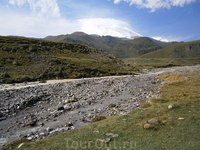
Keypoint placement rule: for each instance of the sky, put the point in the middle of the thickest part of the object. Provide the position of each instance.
(166, 20)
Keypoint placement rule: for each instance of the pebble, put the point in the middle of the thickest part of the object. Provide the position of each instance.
(181, 118)
(31, 123)
(148, 126)
(154, 121)
(107, 140)
(111, 134)
(61, 108)
(170, 106)
(20, 145)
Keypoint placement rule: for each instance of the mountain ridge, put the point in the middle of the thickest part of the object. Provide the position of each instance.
(109, 44)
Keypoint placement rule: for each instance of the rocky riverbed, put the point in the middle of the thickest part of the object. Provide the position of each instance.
(35, 111)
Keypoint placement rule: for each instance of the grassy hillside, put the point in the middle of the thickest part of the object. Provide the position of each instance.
(177, 129)
(24, 59)
(134, 48)
(179, 54)
(161, 62)
(180, 50)
(112, 45)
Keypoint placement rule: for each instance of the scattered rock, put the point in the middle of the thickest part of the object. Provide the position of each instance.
(31, 123)
(170, 106)
(112, 105)
(115, 135)
(111, 134)
(108, 134)
(20, 145)
(30, 138)
(41, 124)
(59, 130)
(107, 140)
(48, 129)
(154, 121)
(61, 108)
(96, 132)
(42, 134)
(70, 124)
(148, 126)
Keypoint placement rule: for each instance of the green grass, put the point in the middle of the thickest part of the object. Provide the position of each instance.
(24, 59)
(160, 62)
(177, 54)
(182, 90)
(179, 50)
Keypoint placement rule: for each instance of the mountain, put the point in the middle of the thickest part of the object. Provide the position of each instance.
(25, 59)
(100, 42)
(120, 47)
(134, 48)
(178, 50)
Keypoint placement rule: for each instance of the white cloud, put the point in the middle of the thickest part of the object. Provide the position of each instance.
(170, 38)
(41, 7)
(44, 18)
(32, 25)
(38, 24)
(107, 26)
(163, 39)
(156, 4)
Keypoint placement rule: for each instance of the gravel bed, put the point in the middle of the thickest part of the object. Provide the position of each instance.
(35, 111)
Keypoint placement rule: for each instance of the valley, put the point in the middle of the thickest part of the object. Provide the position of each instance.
(48, 87)
(38, 110)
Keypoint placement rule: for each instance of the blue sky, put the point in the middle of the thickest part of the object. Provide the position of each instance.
(168, 20)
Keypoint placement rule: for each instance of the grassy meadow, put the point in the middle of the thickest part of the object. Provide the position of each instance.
(160, 62)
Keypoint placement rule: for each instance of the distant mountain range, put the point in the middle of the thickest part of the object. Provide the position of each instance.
(120, 47)
(132, 48)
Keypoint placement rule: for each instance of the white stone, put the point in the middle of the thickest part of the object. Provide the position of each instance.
(20, 145)
(170, 106)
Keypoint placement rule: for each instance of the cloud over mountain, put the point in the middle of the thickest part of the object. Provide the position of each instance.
(40, 18)
(156, 4)
(107, 26)
(43, 18)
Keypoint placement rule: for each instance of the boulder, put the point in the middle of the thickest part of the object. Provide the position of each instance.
(61, 108)
(31, 123)
(148, 126)
(154, 121)
(170, 106)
